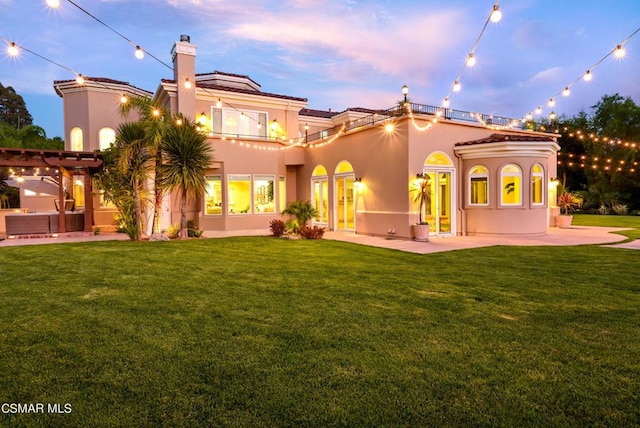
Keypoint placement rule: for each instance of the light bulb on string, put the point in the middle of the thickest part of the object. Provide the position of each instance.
(587, 76)
(529, 116)
(471, 60)
(539, 110)
(551, 102)
(446, 103)
(219, 103)
(619, 52)
(187, 83)
(566, 92)
(552, 116)
(457, 86)
(13, 50)
(139, 52)
(80, 79)
(496, 15)
(124, 99)
(54, 4)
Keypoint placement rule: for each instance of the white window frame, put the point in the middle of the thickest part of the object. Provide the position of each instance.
(542, 187)
(484, 175)
(504, 174)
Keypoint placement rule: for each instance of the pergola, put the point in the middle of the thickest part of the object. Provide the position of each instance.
(59, 164)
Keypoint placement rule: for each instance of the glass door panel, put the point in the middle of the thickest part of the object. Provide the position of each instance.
(438, 212)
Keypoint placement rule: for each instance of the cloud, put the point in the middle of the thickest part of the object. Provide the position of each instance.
(549, 76)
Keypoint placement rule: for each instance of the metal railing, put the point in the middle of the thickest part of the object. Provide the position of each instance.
(423, 109)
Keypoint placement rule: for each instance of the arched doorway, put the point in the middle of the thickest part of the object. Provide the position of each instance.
(441, 213)
(344, 197)
(320, 195)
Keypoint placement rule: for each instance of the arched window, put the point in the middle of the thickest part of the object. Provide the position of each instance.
(343, 167)
(77, 143)
(320, 194)
(511, 185)
(106, 137)
(478, 185)
(537, 181)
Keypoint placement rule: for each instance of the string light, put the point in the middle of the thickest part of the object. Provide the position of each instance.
(187, 83)
(496, 15)
(219, 103)
(551, 102)
(54, 4)
(445, 102)
(124, 99)
(139, 52)
(80, 79)
(539, 110)
(413, 120)
(13, 50)
(617, 52)
(471, 60)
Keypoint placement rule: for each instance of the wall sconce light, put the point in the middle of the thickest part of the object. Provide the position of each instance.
(419, 176)
(219, 103)
(274, 125)
(357, 182)
(202, 119)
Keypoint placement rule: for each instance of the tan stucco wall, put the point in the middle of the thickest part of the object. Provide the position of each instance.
(91, 111)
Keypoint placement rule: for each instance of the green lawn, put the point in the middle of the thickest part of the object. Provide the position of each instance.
(258, 331)
(632, 222)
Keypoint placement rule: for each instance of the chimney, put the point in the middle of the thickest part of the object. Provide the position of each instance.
(184, 60)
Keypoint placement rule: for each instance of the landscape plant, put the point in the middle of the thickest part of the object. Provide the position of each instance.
(302, 212)
(186, 156)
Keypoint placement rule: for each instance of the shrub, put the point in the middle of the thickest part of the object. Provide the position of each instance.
(314, 232)
(303, 211)
(173, 231)
(277, 227)
(192, 229)
(603, 209)
(620, 209)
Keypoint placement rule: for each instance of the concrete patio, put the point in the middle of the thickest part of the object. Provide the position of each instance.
(576, 235)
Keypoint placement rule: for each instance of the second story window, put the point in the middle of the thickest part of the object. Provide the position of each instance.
(239, 123)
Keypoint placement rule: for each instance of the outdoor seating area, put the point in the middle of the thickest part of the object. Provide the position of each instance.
(42, 223)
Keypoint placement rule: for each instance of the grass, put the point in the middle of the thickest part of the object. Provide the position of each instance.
(632, 222)
(264, 332)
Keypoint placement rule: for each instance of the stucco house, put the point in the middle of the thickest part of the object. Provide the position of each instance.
(355, 166)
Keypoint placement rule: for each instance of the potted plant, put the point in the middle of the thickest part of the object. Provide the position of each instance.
(567, 202)
(421, 191)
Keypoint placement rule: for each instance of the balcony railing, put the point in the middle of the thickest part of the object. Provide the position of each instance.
(423, 109)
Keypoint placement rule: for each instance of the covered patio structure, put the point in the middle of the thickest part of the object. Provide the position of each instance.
(57, 164)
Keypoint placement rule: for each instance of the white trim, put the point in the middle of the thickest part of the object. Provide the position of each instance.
(506, 149)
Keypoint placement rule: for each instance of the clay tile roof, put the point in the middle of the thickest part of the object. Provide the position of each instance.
(499, 138)
(362, 110)
(104, 80)
(241, 76)
(317, 113)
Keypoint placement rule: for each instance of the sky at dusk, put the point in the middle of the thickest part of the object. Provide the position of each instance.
(335, 53)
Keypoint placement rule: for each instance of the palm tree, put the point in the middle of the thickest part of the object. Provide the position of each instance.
(186, 157)
(155, 121)
(134, 161)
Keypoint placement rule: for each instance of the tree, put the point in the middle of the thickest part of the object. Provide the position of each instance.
(133, 160)
(606, 176)
(13, 109)
(186, 157)
(154, 120)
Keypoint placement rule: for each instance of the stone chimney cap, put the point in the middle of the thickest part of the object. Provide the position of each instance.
(185, 38)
